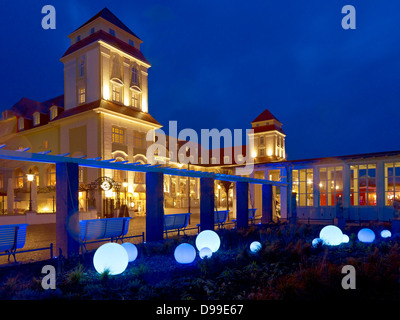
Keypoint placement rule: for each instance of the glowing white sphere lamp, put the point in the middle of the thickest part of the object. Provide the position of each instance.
(208, 239)
(386, 234)
(131, 250)
(112, 257)
(331, 235)
(345, 238)
(255, 246)
(366, 235)
(205, 253)
(185, 253)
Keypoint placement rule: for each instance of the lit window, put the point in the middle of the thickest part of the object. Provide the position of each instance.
(303, 185)
(118, 135)
(36, 118)
(51, 175)
(330, 185)
(135, 100)
(363, 185)
(139, 140)
(116, 93)
(392, 183)
(119, 175)
(53, 112)
(21, 124)
(81, 95)
(139, 177)
(19, 179)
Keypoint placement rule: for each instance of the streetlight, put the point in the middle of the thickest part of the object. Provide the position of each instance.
(30, 178)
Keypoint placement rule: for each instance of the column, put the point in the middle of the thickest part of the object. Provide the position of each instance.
(380, 189)
(242, 204)
(267, 199)
(67, 207)
(206, 203)
(154, 206)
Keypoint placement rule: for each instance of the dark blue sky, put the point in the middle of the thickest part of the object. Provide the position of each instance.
(218, 64)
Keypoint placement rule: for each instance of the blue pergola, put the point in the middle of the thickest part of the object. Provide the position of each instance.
(67, 188)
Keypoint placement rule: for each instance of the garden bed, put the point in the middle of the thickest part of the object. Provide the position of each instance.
(286, 267)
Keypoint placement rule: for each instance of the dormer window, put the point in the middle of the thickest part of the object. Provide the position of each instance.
(112, 32)
(21, 124)
(36, 118)
(131, 42)
(78, 38)
(92, 30)
(53, 112)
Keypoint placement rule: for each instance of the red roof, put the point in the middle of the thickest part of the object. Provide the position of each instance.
(106, 37)
(264, 116)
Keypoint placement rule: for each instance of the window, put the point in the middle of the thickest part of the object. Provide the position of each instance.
(139, 139)
(262, 140)
(78, 38)
(81, 67)
(135, 100)
(330, 185)
(261, 152)
(131, 42)
(51, 175)
(1, 181)
(213, 160)
(21, 123)
(119, 175)
(53, 112)
(118, 135)
(139, 177)
(112, 32)
(392, 182)
(303, 185)
(116, 93)
(135, 76)
(81, 95)
(92, 30)
(363, 185)
(36, 118)
(226, 159)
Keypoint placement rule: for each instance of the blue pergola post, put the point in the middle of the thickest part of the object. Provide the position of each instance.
(266, 203)
(67, 208)
(154, 206)
(242, 204)
(206, 203)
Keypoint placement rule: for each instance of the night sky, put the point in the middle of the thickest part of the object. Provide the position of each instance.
(218, 64)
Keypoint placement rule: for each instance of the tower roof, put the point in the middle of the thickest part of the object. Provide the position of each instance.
(106, 14)
(264, 116)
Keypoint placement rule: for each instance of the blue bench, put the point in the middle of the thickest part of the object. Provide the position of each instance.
(12, 237)
(220, 218)
(251, 215)
(102, 229)
(175, 221)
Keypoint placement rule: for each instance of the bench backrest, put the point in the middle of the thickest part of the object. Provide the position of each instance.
(103, 228)
(176, 221)
(252, 213)
(220, 216)
(12, 236)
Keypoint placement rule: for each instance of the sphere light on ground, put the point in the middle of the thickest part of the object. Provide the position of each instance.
(131, 250)
(366, 235)
(208, 239)
(112, 257)
(316, 242)
(345, 238)
(255, 246)
(386, 234)
(185, 253)
(331, 235)
(205, 253)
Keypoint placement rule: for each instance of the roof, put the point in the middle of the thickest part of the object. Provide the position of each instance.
(269, 127)
(106, 14)
(111, 107)
(264, 116)
(27, 107)
(106, 37)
